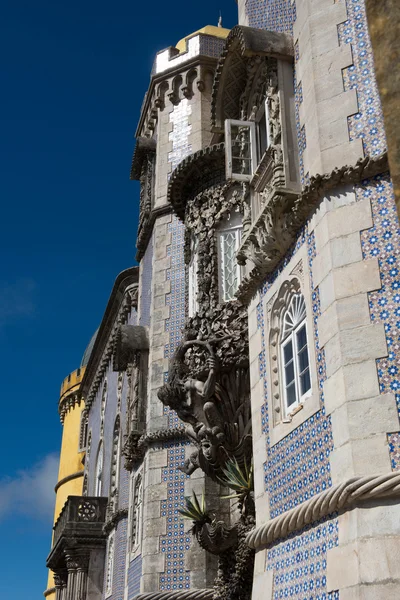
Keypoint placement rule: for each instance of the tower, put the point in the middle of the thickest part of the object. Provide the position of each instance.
(73, 445)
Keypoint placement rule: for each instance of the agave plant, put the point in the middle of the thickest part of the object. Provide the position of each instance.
(241, 482)
(195, 512)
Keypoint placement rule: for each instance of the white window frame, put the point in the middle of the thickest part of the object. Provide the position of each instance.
(99, 470)
(193, 285)
(232, 224)
(228, 149)
(292, 338)
(137, 512)
(110, 564)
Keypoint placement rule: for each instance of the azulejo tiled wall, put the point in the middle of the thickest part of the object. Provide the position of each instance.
(383, 242)
(298, 467)
(368, 122)
(299, 563)
(177, 541)
(134, 575)
(274, 15)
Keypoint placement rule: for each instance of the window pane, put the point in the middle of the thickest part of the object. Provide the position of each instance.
(305, 382)
(290, 394)
(241, 149)
(303, 360)
(289, 372)
(262, 135)
(229, 245)
(301, 338)
(288, 352)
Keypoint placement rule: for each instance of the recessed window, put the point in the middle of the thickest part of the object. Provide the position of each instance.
(241, 149)
(193, 266)
(83, 434)
(229, 235)
(294, 354)
(137, 510)
(263, 130)
(99, 470)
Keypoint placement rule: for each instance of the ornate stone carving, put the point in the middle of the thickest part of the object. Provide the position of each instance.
(208, 382)
(136, 443)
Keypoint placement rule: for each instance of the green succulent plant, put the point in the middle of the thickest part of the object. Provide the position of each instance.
(195, 512)
(239, 479)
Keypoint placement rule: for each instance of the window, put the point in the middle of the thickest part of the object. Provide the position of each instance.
(241, 149)
(229, 237)
(110, 563)
(99, 470)
(263, 130)
(115, 460)
(137, 509)
(294, 354)
(83, 435)
(193, 266)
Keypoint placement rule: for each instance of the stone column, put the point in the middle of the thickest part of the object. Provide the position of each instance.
(60, 582)
(77, 566)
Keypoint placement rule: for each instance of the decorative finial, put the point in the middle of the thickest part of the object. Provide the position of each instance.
(220, 19)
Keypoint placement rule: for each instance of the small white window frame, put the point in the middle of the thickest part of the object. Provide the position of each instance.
(292, 337)
(232, 224)
(193, 304)
(99, 470)
(228, 149)
(136, 545)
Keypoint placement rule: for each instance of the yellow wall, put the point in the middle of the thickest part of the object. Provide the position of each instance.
(70, 457)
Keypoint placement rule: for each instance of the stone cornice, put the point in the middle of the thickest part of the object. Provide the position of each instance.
(122, 299)
(283, 215)
(159, 77)
(147, 228)
(114, 519)
(68, 478)
(340, 497)
(205, 594)
(143, 147)
(194, 174)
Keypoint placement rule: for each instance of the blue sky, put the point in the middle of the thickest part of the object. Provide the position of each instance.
(73, 76)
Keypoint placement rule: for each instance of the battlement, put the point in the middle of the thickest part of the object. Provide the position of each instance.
(208, 41)
(71, 382)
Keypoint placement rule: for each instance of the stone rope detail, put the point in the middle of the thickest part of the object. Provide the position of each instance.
(339, 497)
(206, 594)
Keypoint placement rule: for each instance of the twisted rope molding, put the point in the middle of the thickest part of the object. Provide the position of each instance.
(338, 497)
(177, 595)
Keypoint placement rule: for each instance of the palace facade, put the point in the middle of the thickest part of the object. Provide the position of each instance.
(245, 374)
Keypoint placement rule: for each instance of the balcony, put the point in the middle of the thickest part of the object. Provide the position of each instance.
(80, 524)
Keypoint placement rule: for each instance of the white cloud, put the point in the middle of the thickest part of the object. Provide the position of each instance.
(16, 299)
(30, 492)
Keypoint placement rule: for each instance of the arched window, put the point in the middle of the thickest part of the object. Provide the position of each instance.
(294, 354)
(115, 459)
(229, 235)
(83, 434)
(103, 400)
(137, 509)
(99, 471)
